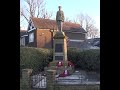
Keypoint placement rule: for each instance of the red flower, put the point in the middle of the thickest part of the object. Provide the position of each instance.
(59, 64)
(70, 64)
(64, 74)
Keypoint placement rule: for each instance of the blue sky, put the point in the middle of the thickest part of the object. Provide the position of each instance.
(73, 7)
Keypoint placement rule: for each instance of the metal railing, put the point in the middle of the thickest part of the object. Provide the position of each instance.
(38, 81)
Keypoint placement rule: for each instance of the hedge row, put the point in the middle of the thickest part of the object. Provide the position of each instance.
(38, 58)
(85, 59)
(34, 58)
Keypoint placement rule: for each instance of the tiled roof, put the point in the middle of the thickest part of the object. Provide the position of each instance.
(51, 24)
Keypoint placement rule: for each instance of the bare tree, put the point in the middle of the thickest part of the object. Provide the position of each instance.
(93, 33)
(75, 20)
(67, 19)
(88, 24)
(34, 8)
(80, 18)
(45, 14)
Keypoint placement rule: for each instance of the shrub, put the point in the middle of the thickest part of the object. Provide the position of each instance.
(34, 58)
(38, 58)
(85, 59)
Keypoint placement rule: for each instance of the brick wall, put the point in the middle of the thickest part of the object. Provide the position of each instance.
(44, 38)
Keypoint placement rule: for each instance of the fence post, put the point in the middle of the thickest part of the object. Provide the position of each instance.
(26, 79)
(51, 79)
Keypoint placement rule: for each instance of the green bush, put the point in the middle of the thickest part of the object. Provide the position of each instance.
(34, 58)
(85, 59)
(38, 58)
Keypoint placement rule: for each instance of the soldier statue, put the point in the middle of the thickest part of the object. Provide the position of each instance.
(60, 18)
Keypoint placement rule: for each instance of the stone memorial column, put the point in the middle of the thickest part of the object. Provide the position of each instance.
(59, 46)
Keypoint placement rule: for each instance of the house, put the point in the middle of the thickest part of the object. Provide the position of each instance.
(23, 38)
(41, 31)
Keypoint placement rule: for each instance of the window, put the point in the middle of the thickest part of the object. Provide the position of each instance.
(31, 37)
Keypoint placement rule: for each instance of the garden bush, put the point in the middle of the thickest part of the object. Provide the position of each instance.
(38, 58)
(34, 58)
(85, 59)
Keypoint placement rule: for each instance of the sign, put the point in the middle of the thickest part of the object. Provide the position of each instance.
(58, 47)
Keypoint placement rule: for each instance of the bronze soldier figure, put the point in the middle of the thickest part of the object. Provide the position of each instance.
(60, 18)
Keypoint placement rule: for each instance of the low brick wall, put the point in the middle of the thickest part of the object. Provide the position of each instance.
(77, 87)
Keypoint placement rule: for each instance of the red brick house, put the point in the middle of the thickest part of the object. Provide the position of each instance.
(40, 32)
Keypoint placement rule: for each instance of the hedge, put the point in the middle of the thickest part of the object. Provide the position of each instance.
(34, 58)
(85, 59)
(38, 58)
